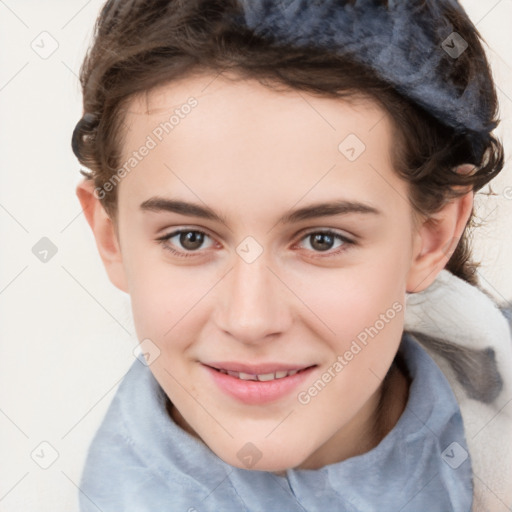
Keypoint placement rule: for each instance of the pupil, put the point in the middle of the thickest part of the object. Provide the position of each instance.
(191, 240)
(321, 238)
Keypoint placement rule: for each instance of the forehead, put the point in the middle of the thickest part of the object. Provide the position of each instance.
(249, 103)
(222, 132)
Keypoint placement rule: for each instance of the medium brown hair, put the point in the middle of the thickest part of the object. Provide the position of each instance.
(142, 44)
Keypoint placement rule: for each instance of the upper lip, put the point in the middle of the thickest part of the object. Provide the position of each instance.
(256, 369)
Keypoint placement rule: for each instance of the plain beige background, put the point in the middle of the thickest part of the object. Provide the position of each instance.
(67, 337)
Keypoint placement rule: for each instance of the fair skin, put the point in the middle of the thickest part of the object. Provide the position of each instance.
(253, 155)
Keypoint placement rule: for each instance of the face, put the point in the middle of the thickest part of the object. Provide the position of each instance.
(266, 245)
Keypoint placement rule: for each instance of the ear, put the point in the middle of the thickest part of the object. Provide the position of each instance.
(436, 240)
(104, 232)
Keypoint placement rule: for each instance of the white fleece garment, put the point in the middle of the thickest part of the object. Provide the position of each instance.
(454, 310)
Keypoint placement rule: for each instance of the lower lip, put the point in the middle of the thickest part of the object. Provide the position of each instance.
(254, 392)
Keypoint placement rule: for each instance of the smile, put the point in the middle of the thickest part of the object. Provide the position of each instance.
(257, 384)
(264, 377)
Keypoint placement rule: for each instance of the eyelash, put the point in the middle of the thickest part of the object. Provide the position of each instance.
(347, 243)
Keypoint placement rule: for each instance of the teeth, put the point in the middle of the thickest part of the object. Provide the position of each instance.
(265, 377)
(247, 376)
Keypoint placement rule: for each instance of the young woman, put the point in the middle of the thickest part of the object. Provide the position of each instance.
(284, 190)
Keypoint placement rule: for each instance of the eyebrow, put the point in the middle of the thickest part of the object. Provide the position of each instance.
(342, 207)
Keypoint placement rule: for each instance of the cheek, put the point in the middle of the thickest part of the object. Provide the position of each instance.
(346, 301)
(170, 304)
(365, 313)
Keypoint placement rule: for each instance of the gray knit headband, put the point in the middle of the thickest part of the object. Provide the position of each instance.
(409, 44)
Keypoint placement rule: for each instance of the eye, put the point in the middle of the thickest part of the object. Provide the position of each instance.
(189, 240)
(324, 241)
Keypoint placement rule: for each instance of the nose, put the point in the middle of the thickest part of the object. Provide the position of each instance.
(253, 306)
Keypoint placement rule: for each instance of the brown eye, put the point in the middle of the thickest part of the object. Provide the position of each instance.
(191, 240)
(321, 241)
(324, 241)
(185, 242)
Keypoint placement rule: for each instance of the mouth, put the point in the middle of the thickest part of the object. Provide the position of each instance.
(261, 377)
(258, 384)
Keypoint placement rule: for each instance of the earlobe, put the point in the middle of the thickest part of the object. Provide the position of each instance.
(104, 232)
(436, 240)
